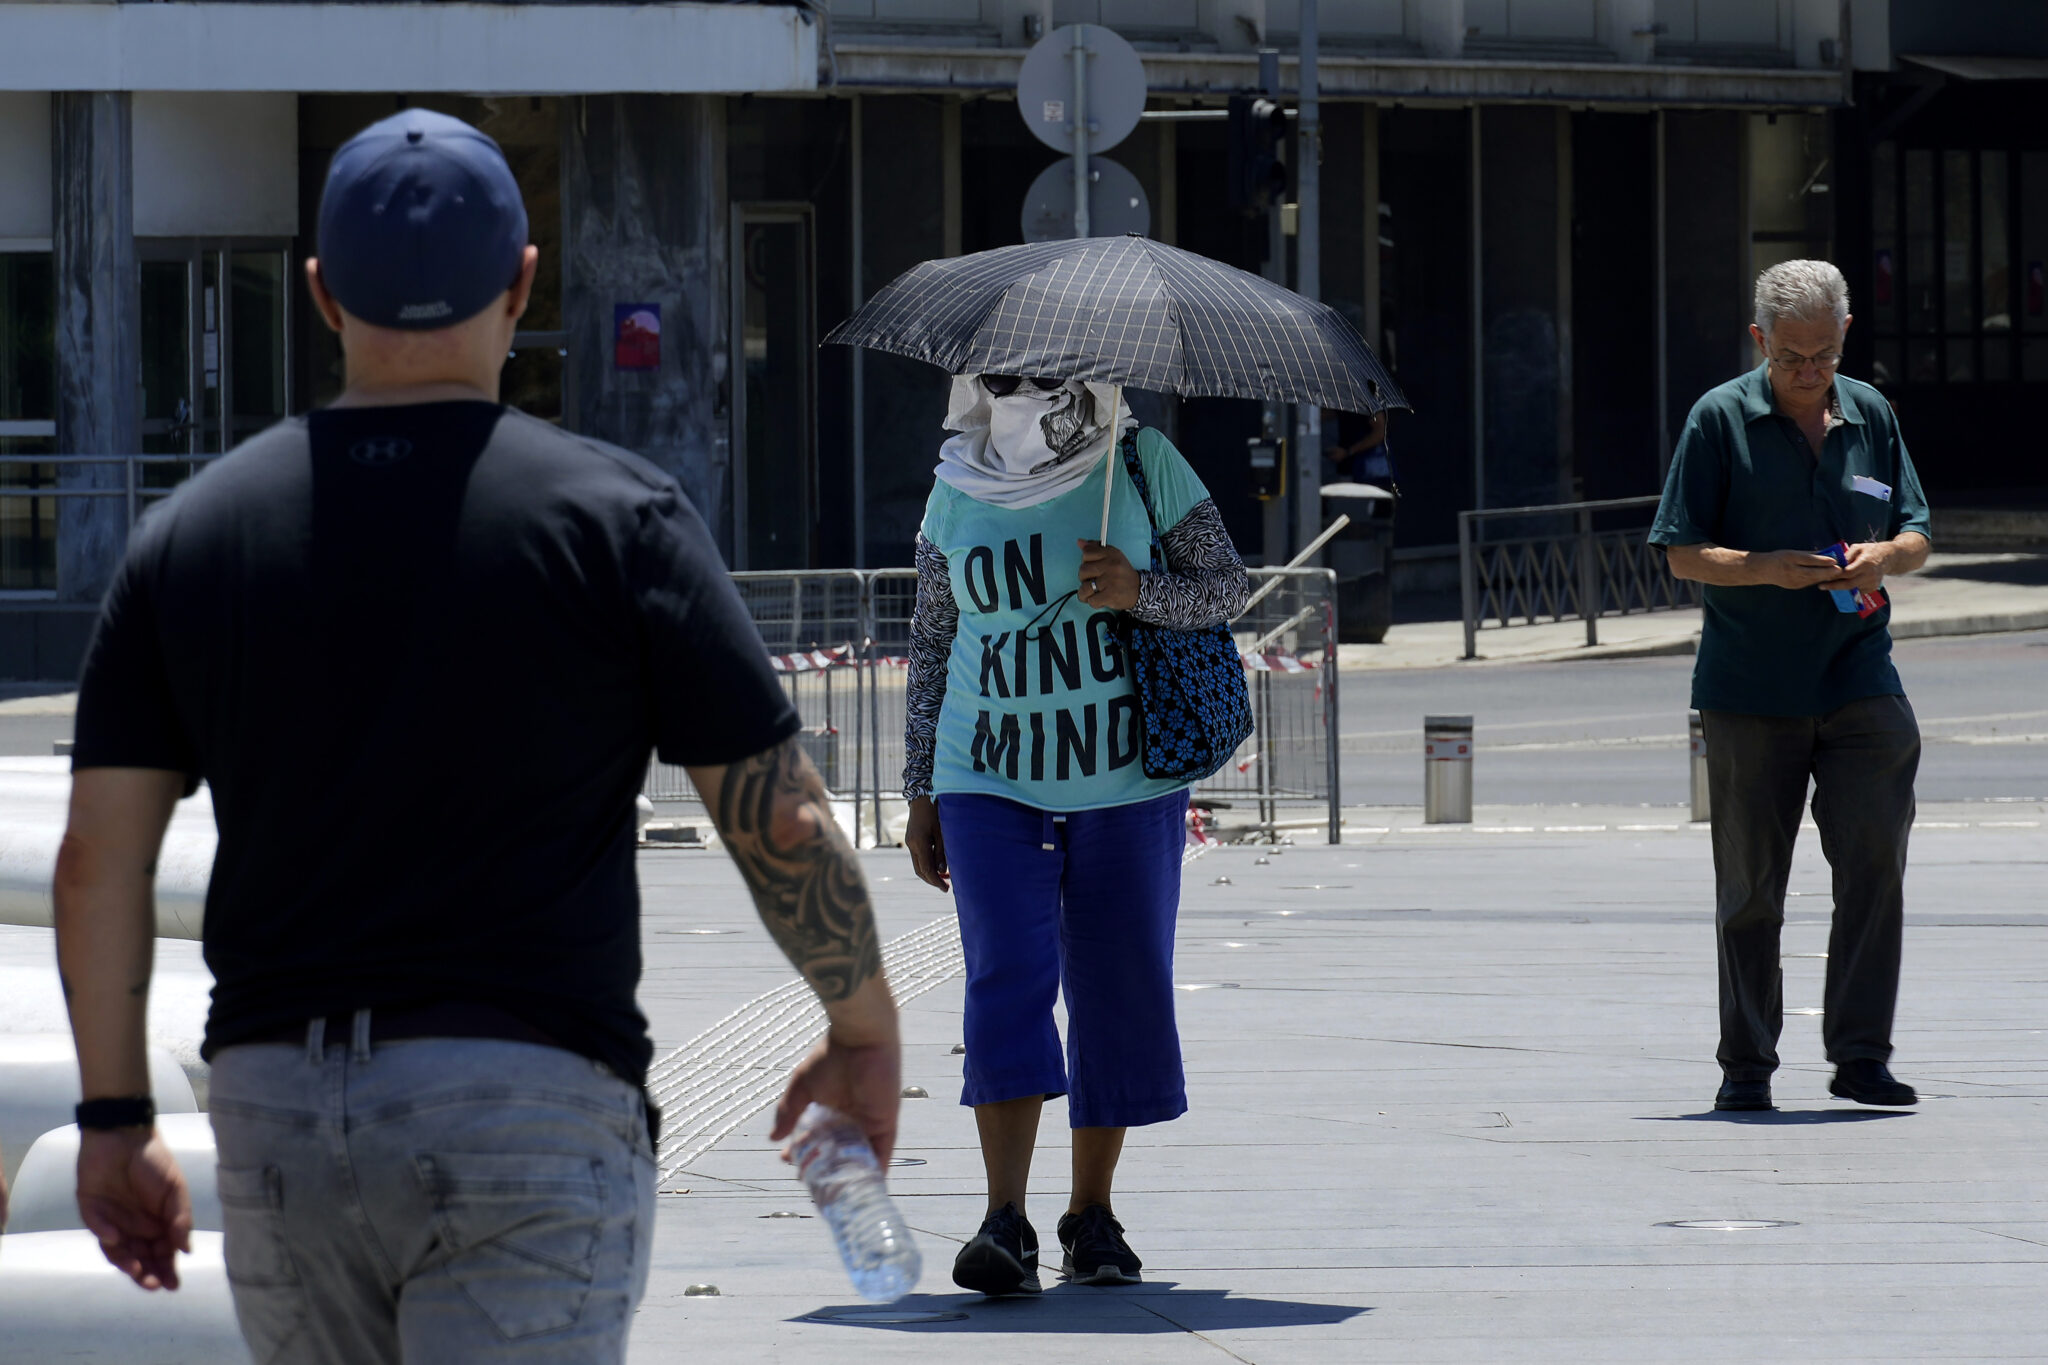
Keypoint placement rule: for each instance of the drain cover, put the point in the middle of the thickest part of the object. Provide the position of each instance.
(785, 1213)
(884, 1317)
(1727, 1224)
(701, 1291)
(906, 1161)
(915, 1092)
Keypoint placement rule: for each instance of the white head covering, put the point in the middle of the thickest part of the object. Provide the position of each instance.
(1030, 446)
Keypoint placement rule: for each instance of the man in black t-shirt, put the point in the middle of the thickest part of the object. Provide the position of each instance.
(420, 647)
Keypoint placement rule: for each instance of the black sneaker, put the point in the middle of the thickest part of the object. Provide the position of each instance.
(1002, 1258)
(1095, 1251)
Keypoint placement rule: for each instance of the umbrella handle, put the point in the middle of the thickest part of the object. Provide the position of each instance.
(1116, 407)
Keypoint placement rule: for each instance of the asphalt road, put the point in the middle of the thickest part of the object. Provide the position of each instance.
(1613, 732)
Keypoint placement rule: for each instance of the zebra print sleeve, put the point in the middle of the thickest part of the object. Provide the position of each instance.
(1203, 582)
(933, 623)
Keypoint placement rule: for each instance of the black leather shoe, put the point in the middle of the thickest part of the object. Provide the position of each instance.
(1743, 1095)
(1868, 1081)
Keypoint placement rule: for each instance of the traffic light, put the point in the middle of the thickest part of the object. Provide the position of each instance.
(1258, 176)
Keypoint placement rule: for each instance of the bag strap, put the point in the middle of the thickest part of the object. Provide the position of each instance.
(1136, 469)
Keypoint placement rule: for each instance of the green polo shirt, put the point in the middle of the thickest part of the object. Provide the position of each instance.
(1744, 477)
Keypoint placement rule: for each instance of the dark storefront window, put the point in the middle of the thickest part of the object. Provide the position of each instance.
(28, 411)
(2032, 267)
(1946, 286)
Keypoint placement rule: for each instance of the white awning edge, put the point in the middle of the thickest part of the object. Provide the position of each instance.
(477, 49)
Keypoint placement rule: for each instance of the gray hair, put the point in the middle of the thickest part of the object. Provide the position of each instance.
(1806, 290)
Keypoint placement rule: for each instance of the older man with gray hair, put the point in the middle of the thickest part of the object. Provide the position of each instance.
(1791, 498)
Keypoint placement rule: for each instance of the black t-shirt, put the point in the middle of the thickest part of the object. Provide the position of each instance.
(421, 655)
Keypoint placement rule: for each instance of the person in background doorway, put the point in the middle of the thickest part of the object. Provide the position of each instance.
(1774, 470)
(1362, 453)
(1027, 795)
(420, 647)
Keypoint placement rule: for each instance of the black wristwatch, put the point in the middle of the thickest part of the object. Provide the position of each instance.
(128, 1111)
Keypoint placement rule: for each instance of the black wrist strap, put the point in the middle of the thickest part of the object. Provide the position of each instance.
(128, 1111)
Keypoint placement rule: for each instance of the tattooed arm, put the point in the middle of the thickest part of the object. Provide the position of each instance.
(773, 815)
(130, 1191)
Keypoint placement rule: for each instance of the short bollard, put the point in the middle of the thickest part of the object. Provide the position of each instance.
(1447, 770)
(1702, 807)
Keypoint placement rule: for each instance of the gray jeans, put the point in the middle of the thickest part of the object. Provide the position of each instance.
(431, 1200)
(1862, 759)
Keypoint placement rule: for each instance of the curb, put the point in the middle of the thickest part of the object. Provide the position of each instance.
(1670, 646)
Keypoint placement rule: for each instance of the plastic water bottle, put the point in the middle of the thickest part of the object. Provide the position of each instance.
(832, 1155)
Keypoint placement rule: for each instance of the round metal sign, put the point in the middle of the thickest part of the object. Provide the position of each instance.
(1116, 202)
(1114, 92)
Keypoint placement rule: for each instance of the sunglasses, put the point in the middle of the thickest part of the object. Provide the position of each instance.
(1003, 385)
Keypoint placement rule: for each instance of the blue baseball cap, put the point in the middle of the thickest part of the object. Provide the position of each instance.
(421, 223)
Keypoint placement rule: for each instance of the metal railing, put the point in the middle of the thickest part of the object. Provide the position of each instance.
(133, 487)
(1559, 565)
(840, 642)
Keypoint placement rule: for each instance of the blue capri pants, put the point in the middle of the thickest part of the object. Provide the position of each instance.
(1082, 903)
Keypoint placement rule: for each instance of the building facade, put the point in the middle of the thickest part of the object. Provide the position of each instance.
(1545, 214)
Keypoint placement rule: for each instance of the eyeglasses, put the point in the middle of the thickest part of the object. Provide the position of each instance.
(1825, 361)
(1003, 385)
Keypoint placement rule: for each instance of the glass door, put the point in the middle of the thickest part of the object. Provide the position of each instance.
(775, 491)
(214, 359)
(28, 423)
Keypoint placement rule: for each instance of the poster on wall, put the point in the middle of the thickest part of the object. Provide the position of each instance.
(636, 336)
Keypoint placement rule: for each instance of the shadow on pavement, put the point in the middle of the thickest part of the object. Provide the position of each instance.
(1073, 1308)
(2026, 573)
(1779, 1117)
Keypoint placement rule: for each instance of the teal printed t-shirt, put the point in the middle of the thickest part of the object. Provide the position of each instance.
(1039, 705)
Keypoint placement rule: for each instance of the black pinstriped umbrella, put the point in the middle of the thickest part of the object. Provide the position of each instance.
(1124, 310)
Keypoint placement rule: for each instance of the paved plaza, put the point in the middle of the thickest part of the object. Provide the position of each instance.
(1451, 1085)
(1449, 1091)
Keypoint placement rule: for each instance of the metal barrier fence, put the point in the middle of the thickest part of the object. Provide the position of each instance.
(841, 643)
(1536, 574)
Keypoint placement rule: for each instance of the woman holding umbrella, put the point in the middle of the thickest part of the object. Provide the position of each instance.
(1056, 664)
(1026, 790)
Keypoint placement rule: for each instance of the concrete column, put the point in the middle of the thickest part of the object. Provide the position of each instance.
(644, 204)
(99, 325)
(949, 174)
(1370, 186)
(1439, 25)
(1308, 269)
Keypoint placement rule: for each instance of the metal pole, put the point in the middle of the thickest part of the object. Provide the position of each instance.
(1308, 266)
(862, 650)
(1589, 579)
(1267, 814)
(860, 369)
(875, 730)
(1468, 584)
(1081, 224)
(1273, 415)
(1663, 320)
(1478, 330)
(1330, 717)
